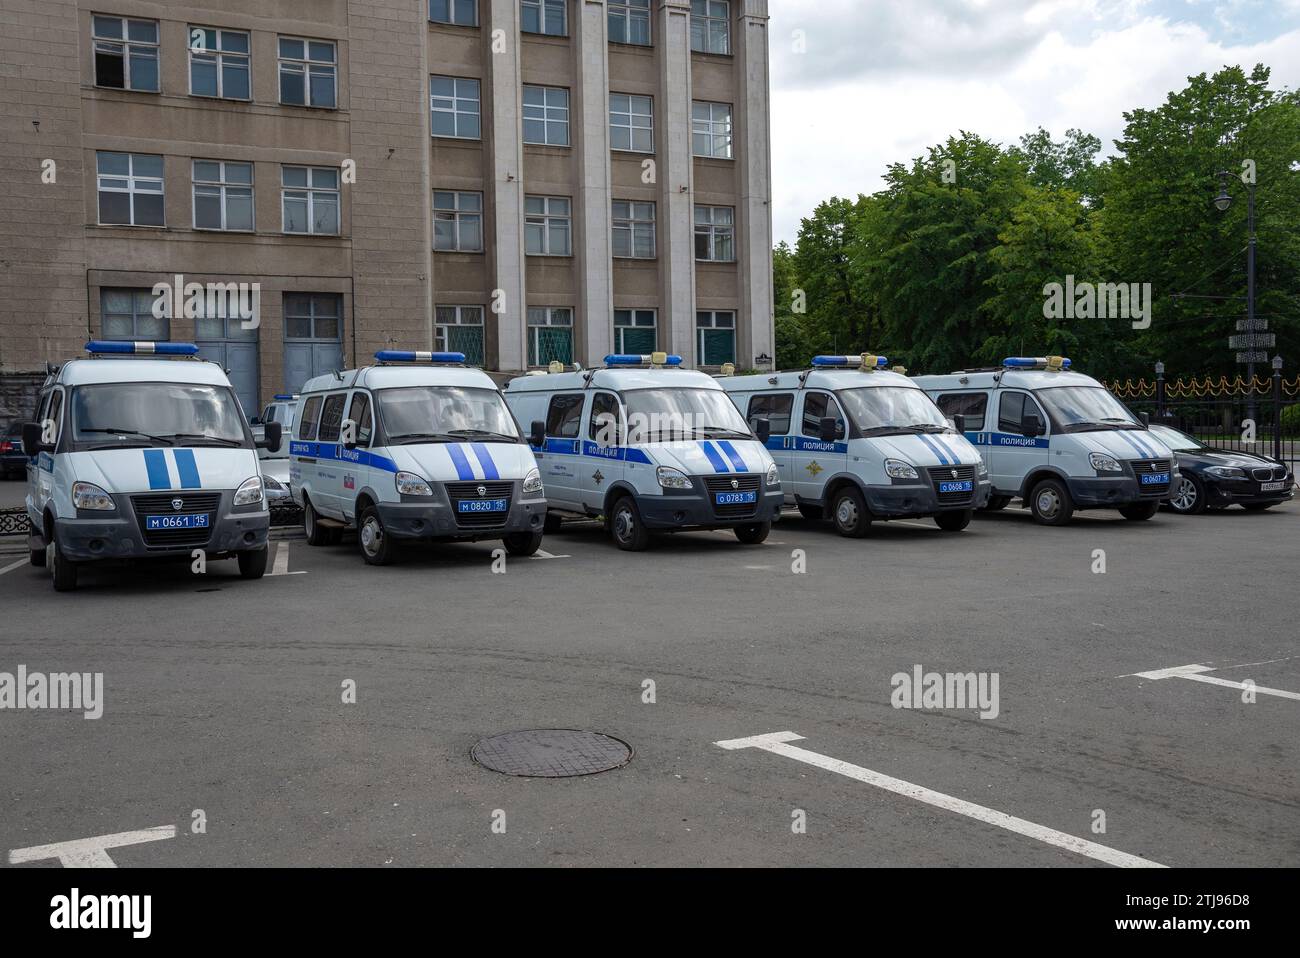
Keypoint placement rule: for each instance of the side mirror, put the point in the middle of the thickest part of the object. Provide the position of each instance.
(829, 429)
(1146, 419)
(537, 436)
(1032, 425)
(31, 439)
(763, 430)
(271, 442)
(959, 423)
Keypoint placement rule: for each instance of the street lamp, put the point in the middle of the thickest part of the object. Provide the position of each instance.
(1253, 338)
(1224, 199)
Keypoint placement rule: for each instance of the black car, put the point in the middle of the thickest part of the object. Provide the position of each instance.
(1213, 478)
(13, 463)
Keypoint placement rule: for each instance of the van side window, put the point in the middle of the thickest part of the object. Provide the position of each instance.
(971, 405)
(604, 420)
(1011, 412)
(775, 408)
(819, 406)
(331, 418)
(359, 413)
(55, 415)
(564, 416)
(310, 412)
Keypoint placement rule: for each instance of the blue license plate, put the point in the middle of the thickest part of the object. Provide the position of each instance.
(483, 505)
(736, 498)
(185, 521)
(1155, 479)
(966, 485)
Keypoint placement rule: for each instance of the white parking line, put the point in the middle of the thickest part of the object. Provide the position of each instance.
(13, 565)
(543, 554)
(778, 744)
(1195, 673)
(281, 565)
(90, 852)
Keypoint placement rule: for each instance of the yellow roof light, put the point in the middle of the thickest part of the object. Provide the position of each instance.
(728, 369)
(555, 367)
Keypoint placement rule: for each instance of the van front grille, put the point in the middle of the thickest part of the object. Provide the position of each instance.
(459, 492)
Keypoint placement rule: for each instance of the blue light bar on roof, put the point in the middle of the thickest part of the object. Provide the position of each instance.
(409, 356)
(1039, 362)
(283, 398)
(865, 360)
(105, 347)
(630, 360)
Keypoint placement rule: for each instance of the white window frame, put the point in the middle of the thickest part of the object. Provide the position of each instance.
(628, 221)
(621, 118)
(308, 67)
(125, 47)
(628, 11)
(451, 15)
(224, 187)
(550, 315)
(456, 216)
(708, 20)
(636, 316)
(546, 10)
(555, 211)
(219, 57)
(713, 229)
(462, 316)
(552, 116)
(456, 110)
(718, 126)
(134, 185)
(311, 191)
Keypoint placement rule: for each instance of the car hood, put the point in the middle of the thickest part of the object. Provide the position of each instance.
(157, 470)
(705, 457)
(463, 461)
(944, 449)
(1226, 457)
(1124, 444)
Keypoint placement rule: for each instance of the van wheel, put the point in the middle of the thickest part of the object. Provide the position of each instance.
(523, 544)
(1051, 504)
(625, 525)
(811, 513)
(1139, 511)
(954, 521)
(317, 534)
(850, 514)
(998, 503)
(553, 523)
(37, 557)
(376, 545)
(62, 569)
(252, 562)
(755, 534)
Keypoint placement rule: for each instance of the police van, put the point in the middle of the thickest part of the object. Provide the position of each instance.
(1057, 439)
(275, 465)
(649, 446)
(416, 447)
(143, 451)
(858, 442)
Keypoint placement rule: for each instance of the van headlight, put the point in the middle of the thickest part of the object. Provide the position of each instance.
(87, 495)
(1104, 463)
(533, 483)
(672, 478)
(773, 475)
(409, 484)
(897, 469)
(982, 469)
(249, 492)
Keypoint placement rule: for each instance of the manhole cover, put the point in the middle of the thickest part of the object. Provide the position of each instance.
(551, 753)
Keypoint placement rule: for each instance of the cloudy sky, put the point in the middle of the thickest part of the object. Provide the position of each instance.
(880, 80)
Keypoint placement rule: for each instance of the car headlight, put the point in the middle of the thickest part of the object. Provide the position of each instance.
(672, 478)
(773, 476)
(897, 469)
(272, 484)
(982, 469)
(1226, 472)
(249, 492)
(533, 482)
(1104, 463)
(409, 484)
(87, 495)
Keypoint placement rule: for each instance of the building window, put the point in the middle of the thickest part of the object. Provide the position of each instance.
(548, 225)
(631, 123)
(223, 196)
(313, 316)
(126, 53)
(462, 13)
(636, 331)
(550, 335)
(310, 199)
(544, 16)
(715, 234)
(128, 314)
(711, 26)
(716, 337)
(629, 22)
(130, 189)
(457, 222)
(308, 73)
(634, 230)
(546, 115)
(454, 105)
(219, 63)
(711, 129)
(459, 329)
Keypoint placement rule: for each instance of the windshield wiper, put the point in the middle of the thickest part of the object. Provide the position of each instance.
(128, 432)
(713, 431)
(413, 438)
(484, 432)
(200, 437)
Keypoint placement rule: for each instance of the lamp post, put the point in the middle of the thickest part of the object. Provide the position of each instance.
(1160, 391)
(1277, 408)
(1252, 339)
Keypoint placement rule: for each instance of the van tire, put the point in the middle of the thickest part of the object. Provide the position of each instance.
(317, 534)
(62, 569)
(521, 545)
(1139, 511)
(1050, 503)
(37, 557)
(755, 534)
(553, 523)
(626, 527)
(850, 514)
(811, 512)
(376, 545)
(252, 562)
(954, 521)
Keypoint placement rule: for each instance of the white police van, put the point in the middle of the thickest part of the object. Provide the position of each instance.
(416, 447)
(275, 465)
(142, 451)
(1057, 439)
(857, 442)
(649, 446)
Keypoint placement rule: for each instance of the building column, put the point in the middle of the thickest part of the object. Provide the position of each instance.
(676, 230)
(594, 198)
(756, 331)
(503, 99)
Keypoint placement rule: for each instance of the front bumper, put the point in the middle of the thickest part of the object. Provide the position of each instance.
(119, 535)
(921, 499)
(1243, 492)
(695, 510)
(434, 519)
(1113, 492)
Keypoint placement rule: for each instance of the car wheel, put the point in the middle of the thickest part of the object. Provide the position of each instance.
(954, 521)
(1189, 497)
(1050, 503)
(317, 534)
(1139, 511)
(754, 534)
(376, 545)
(523, 544)
(62, 569)
(625, 525)
(850, 514)
(553, 523)
(812, 513)
(252, 563)
(997, 503)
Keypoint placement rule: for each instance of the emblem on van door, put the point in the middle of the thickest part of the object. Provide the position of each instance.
(482, 490)
(178, 504)
(735, 484)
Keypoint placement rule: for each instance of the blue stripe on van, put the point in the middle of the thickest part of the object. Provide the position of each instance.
(943, 460)
(485, 460)
(187, 469)
(719, 465)
(458, 460)
(155, 462)
(1141, 451)
(943, 441)
(737, 462)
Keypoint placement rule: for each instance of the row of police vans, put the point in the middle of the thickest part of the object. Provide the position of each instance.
(142, 451)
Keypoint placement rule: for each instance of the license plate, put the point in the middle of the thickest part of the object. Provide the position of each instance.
(966, 485)
(1272, 486)
(483, 505)
(736, 498)
(1155, 479)
(184, 521)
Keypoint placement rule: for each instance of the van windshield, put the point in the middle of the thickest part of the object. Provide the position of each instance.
(1086, 409)
(414, 414)
(891, 410)
(668, 415)
(157, 414)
